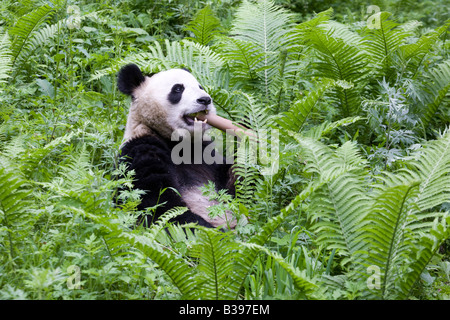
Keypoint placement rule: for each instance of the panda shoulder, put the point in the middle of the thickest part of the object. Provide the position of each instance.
(146, 148)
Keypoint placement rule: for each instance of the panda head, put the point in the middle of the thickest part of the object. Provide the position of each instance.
(163, 102)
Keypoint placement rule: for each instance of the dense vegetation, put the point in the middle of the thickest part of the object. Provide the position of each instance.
(355, 204)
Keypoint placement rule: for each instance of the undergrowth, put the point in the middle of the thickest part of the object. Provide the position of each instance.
(351, 201)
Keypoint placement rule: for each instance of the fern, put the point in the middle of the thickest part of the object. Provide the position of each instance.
(413, 54)
(383, 43)
(327, 127)
(265, 25)
(246, 171)
(201, 60)
(217, 253)
(338, 202)
(5, 56)
(13, 205)
(302, 282)
(339, 57)
(23, 30)
(437, 91)
(248, 255)
(249, 155)
(244, 59)
(386, 234)
(205, 26)
(404, 234)
(295, 118)
(223, 263)
(163, 220)
(432, 167)
(43, 35)
(390, 227)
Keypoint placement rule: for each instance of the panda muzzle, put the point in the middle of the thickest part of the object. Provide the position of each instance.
(198, 115)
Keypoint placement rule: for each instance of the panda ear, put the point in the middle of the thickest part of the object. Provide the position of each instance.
(129, 78)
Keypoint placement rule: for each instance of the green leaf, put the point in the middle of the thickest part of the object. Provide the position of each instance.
(437, 88)
(205, 26)
(23, 29)
(5, 56)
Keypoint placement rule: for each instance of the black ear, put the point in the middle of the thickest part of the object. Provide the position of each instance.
(129, 78)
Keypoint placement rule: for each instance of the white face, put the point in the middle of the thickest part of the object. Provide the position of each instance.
(177, 94)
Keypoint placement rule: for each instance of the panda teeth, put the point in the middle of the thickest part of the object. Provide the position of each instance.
(204, 121)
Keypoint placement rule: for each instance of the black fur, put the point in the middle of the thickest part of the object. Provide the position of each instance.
(129, 78)
(150, 157)
(176, 93)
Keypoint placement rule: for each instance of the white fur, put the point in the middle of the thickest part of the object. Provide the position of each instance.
(152, 111)
(199, 204)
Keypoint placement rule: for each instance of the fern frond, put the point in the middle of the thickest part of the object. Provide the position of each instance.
(295, 118)
(339, 57)
(339, 203)
(12, 195)
(248, 254)
(413, 54)
(205, 26)
(265, 25)
(402, 233)
(432, 167)
(5, 56)
(302, 282)
(427, 246)
(201, 60)
(246, 171)
(13, 216)
(252, 114)
(164, 219)
(39, 37)
(244, 59)
(303, 29)
(178, 270)
(387, 233)
(383, 42)
(24, 28)
(437, 91)
(217, 255)
(326, 127)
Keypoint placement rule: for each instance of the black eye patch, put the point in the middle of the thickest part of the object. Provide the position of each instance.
(176, 93)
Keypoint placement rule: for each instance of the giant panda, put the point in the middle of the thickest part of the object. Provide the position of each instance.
(160, 104)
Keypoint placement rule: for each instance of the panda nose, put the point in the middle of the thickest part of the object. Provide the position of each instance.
(204, 100)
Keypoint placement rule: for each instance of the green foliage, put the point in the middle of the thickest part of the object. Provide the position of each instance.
(384, 42)
(437, 88)
(13, 203)
(386, 227)
(5, 56)
(264, 25)
(343, 182)
(295, 118)
(23, 30)
(205, 26)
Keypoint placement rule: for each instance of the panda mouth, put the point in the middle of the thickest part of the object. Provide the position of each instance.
(191, 118)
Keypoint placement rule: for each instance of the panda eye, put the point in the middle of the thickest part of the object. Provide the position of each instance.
(201, 88)
(178, 88)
